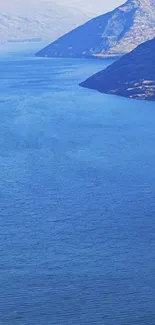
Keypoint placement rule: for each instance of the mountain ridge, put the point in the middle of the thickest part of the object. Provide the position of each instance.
(112, 34)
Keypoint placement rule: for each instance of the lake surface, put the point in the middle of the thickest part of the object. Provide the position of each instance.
(77, 207)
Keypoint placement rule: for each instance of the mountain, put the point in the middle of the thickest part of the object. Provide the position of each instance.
(95, 7)
(111, 34)
(41, 19)
(132, 76)
(45, 19)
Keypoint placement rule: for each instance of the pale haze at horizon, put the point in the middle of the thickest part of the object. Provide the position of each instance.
(96, 6)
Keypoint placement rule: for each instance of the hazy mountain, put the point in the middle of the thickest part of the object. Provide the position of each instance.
(132, 76)
(45, 19)
(95, 7)
(114, 33)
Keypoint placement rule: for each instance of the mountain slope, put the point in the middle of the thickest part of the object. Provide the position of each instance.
(132, 76)
(114, 33)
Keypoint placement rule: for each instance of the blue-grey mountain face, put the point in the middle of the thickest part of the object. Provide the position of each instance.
(132, 76)
(111, 34)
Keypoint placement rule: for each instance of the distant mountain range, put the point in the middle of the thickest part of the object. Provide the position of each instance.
(132, 76)
(41, 19)
(111, 34)
(46, 19)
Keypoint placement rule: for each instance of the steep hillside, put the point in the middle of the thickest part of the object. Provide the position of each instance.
(132, 76)
(111, 34)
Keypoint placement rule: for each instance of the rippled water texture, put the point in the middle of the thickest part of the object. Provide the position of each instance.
(77, 207)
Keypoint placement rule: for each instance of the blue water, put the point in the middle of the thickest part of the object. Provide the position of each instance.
(77, 207)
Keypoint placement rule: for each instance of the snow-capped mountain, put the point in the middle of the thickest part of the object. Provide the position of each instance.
(114, 33)
(45, 19)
